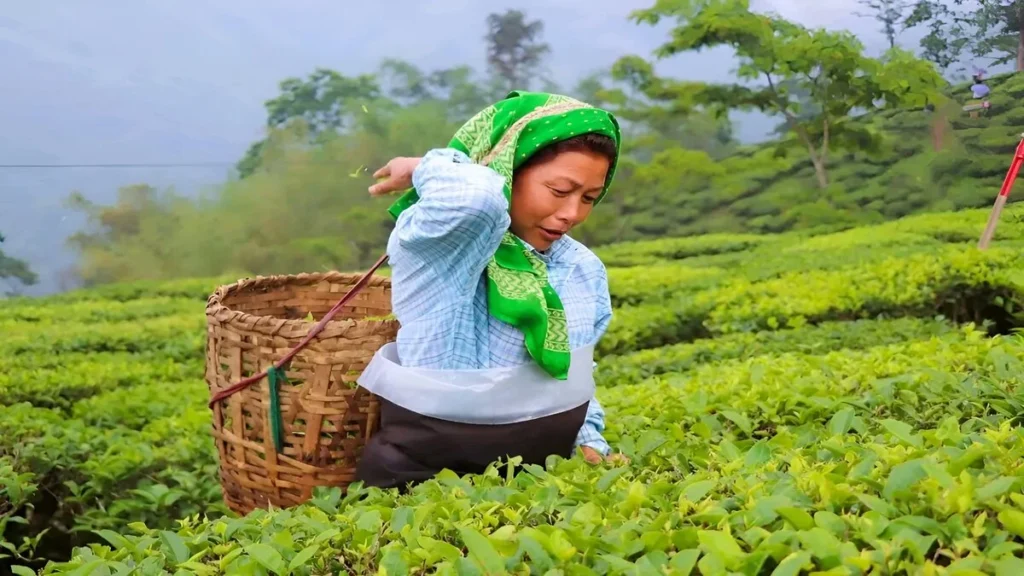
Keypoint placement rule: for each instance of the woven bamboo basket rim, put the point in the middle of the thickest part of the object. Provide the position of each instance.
(216, 308)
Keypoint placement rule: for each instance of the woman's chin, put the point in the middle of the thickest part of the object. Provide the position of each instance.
(544, 239)
(535, 241)
(540, 245)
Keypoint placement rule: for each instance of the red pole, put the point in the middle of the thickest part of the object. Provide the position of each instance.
(1004, 194)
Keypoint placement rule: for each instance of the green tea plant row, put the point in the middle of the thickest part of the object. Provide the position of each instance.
(154, 463)
(655, 251)
(103, 420)
(965, 285)
(916, 232)
(107, 477)
(176, 336)
(895, 459)
(71, 378)
(634, 367)
(195, 289)
(791, 253)
(91, 311)
(632, 286)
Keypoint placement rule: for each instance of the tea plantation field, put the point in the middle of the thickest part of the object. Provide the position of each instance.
(837, 405)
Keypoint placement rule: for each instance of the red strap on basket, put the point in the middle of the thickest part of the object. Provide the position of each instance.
(309, 337)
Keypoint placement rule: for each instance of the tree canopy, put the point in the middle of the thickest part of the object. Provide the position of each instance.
(15, 273)
(989, 30)
(816, 80)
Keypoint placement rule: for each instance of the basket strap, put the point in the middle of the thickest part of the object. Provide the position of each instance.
(309, 337)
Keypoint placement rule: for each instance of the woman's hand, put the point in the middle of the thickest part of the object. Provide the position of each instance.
(397, 174)
(594, 457)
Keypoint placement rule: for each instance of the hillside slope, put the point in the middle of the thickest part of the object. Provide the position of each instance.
(311, 211)
(754, 192)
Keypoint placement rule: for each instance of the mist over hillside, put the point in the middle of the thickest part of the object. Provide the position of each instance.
(156, 84)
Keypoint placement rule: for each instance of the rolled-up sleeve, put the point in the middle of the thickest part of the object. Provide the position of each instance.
(590, 433)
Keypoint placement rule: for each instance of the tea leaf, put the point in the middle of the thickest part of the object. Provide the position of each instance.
(267, 557)
(176, 546)
(302, 557)
(792, 565)
(682, 562)
(902, 477)
(481, 550)
(902, 431)
(797, 517)
(1012, 520)
(996, 488)
(841, 422)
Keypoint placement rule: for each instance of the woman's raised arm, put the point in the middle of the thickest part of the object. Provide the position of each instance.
(442, 243)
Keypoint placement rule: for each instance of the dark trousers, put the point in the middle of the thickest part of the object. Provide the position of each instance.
(410, 448)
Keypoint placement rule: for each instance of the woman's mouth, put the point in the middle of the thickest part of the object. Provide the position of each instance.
(551, 235)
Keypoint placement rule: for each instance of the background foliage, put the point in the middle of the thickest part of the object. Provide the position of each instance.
(837, 368)
(862, 140)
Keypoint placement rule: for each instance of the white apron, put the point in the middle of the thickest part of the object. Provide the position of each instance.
(481, 396)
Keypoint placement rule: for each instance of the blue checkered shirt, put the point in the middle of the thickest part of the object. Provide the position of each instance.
(438, 252)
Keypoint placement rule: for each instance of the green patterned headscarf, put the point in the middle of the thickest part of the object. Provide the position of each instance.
(503, 136)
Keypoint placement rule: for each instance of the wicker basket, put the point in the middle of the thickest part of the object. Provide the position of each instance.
(325, 419)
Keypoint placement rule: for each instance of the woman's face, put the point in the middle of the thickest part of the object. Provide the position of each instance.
(550, 198)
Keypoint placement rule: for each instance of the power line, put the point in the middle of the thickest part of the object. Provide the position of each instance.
(126, 165)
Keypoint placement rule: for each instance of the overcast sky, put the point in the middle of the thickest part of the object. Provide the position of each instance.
(128, 81)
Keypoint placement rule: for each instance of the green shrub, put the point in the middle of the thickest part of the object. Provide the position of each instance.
(784, 398)
(648, 251)
(759, 466)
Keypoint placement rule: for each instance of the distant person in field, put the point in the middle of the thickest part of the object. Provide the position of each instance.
(979, 92)
(979, 89)
(500, 310)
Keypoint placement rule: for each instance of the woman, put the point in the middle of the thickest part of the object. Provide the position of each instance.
(499, 309)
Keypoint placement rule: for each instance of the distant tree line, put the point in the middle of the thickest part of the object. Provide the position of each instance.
(299, 202)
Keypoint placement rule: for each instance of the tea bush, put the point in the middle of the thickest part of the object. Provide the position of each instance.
(898, 459)
(833, 404)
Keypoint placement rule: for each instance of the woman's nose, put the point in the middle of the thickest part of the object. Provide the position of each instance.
(570, 210)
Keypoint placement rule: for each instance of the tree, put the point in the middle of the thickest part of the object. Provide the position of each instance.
(889, 13)
(801, 96)
(829, 69)
(15, 272)
(462, 94)
(303, 208)
(988, 29)
(327, 102)
(133, 238)
(651, 125)
(514, 49)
